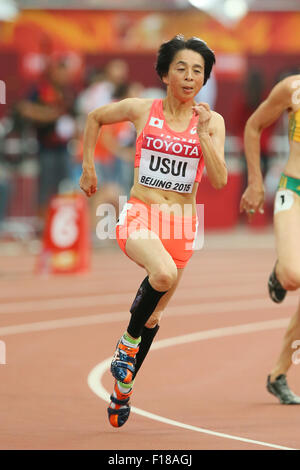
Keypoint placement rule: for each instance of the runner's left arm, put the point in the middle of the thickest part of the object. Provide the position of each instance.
(211, 132)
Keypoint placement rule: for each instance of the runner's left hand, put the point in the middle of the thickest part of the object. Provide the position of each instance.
(204, 113)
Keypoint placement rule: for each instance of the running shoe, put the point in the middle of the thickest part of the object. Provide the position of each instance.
(276, 291)
(119, 408)
(123, 362)
(281, 390)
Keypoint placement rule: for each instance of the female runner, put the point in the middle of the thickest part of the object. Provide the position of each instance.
(157, 227)
(285, 276)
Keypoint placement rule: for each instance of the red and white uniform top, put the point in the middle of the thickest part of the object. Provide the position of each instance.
(167, 159)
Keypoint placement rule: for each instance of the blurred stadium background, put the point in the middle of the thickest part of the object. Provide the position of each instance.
(75, 55)
(60, 59)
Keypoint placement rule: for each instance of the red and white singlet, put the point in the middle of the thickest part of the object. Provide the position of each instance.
(167, 159)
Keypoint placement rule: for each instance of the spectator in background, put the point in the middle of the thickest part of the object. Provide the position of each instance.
(101, 86)
(209, 93)
(104, 85)
(253, 96)
(254, 93)
(49, 107)
(92, 93)
(114, 159)
(4, 196)
(123, 145)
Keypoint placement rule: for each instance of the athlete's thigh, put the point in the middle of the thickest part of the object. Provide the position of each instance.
(147, 250)
(287, 227)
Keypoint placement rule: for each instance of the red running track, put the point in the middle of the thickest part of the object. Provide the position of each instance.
(211, 385)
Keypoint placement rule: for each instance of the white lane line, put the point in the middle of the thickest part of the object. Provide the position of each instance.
(101, 368)
(191, 309)
(71, 301)
(63, 323)
(95, 376)
(75, 303)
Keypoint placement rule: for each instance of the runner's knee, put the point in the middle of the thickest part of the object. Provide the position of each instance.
(163, 278)
(290, 277)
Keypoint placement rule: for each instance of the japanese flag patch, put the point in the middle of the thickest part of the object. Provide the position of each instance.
(155, 122)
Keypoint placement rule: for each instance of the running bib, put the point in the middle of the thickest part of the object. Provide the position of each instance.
(283, 201)
(174, 171)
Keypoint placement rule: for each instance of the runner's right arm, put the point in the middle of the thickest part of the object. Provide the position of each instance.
(268, 112)
(125, 110)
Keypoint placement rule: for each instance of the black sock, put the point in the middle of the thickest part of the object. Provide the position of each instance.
(142, 308)
(148, 335)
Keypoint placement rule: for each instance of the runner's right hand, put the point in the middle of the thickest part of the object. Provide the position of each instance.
(253, 200)
(88, 181)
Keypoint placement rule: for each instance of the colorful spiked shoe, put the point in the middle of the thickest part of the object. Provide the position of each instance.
(119, 408)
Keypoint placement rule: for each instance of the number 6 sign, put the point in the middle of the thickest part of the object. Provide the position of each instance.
(66, 246)
(64, 228)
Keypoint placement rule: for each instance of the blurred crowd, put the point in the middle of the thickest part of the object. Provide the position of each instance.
(41, 140)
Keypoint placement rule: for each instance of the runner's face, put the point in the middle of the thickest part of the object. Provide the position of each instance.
(186, 74)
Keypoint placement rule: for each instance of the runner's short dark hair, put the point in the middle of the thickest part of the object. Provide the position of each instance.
(169, 49)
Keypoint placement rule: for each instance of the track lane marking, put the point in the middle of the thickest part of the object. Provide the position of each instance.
(96, 301)
(194, 309)
(107, 318)
(95, 376)
(90, 300)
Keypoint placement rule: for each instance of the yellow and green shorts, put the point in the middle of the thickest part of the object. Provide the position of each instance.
(287, 182)
(285, 194)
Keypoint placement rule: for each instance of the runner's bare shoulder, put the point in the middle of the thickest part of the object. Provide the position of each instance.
(139, 106)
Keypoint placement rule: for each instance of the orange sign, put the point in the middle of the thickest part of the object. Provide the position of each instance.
(66, 245)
